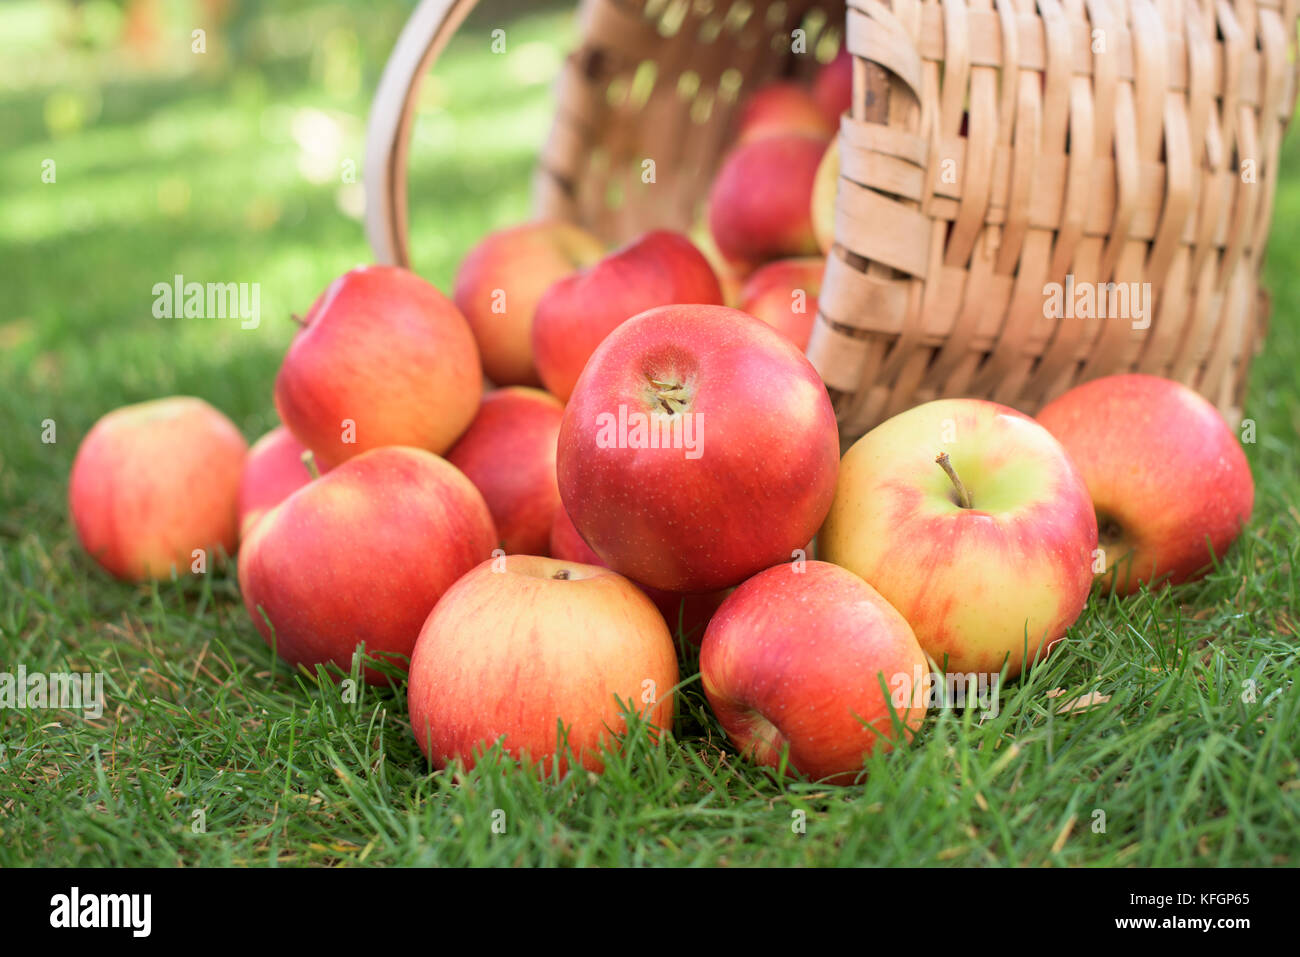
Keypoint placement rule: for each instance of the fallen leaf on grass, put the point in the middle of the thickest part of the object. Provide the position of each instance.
(1064, 834)
(1081, 703)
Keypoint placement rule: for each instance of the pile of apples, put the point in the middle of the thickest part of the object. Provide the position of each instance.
(653, 463)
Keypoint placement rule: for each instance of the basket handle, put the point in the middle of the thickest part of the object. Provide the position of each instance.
(388, 132)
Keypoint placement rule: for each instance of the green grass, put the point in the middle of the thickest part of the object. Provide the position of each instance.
(197, 174)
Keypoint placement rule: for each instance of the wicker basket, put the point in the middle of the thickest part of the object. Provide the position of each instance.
(994, 147)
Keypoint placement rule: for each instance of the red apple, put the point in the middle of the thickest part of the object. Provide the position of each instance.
(578, 312)
(1166, 474)
(687, 615)
(154, 482)
(509, 454)
(501, 281)
(698, 448)
(833, 88)
(784, 295)
(761, 201)
(362, 554)
(990, 578)
(805, 656)
(567, 545)
(382, 358)
(523, 643)
(273, 471)
(783, 107)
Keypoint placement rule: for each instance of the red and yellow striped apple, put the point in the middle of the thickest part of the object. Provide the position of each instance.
(784, 295)
(154, 482)
(362, 554)
(579, 311)
(783, 107)
(522, 643)
(1167, 477)
(502, 279)
(806, 656)
(382, 358)
(833, 88)
(698, 448)
(508, 452)
(273, 471)
(994, 574)
(760, 206)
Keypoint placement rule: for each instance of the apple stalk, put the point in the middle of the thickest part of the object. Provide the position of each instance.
(963, 494)
(672, 397)
(309, 460)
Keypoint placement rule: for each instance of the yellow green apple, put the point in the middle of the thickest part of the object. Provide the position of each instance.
(973, 521)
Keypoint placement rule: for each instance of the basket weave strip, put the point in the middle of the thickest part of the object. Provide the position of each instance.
(996, 146)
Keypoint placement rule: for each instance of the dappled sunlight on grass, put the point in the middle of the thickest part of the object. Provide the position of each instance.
(239, 178)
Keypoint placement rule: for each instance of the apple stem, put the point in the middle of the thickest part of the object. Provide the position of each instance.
(963, 494)
(561, 575)
(670, 396)
(299, 320)
(309, 460)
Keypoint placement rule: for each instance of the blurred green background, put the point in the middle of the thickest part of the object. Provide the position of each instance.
(241, 163)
